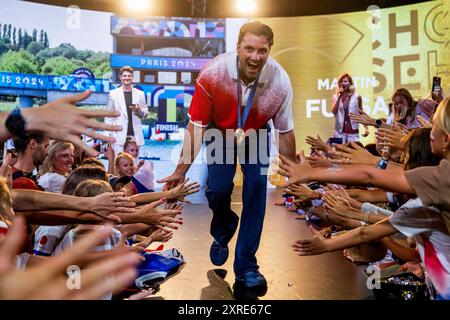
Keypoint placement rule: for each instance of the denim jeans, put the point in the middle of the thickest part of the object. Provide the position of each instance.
(219, 189)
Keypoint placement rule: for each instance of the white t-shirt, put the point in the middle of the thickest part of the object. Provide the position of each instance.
(70, 238)
(52, 182)
(46, 238)
(427, 226)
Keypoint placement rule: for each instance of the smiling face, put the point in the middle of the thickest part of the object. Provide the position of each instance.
(125, 167)
(253, 52)
(63, 161)
(127, 78)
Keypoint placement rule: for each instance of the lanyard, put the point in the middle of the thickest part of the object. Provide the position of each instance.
(248, 105)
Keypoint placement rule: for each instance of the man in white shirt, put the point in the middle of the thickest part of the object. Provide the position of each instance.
(130, 102)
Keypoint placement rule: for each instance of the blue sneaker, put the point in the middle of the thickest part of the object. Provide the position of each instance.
(251, 279)
(218, 254)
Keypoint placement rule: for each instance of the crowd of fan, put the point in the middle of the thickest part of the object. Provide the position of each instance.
(73, 211)
(60, 207)
(384, 204)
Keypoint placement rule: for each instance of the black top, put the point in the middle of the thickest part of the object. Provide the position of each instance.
(129, 102)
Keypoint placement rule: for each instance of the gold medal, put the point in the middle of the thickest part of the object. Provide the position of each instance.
(240, 135)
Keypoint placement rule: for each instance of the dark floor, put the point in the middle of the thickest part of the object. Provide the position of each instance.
(329, 276)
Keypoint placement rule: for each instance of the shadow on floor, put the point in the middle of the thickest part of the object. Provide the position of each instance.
(220, 289)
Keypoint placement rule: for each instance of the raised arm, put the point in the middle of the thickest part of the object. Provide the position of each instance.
(60, 217)
(192, 143)
(318, 244)
(104, 204)
(62, 120)
(372, 196)
(392, 180)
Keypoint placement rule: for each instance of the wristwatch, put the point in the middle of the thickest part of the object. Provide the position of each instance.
(378, 123)
(15, 123)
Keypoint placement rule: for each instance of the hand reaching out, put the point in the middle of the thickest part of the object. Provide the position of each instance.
(312, 246)
(157, 235)
(182, 190)
(160, 218)
(296, 172)
(339, 191)
(391, 137)
(47, 280)
(301, 192)
(338, 205)
(172, 181)
(354, 155)
(424, 123)
(62, 120)
(319, 160)
(106, 204)
(317, 143)
(362, 118)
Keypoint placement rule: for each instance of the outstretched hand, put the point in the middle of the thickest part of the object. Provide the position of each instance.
(295, 172)
(317, 143)
(353, 155)
(62, 120)
(391, 137)
(108, 203)
(172, 181)
(160, 218)
(312, 246)
(300, 191)
(182, 190)
(424, 123)
(48, 280)
(362, 118)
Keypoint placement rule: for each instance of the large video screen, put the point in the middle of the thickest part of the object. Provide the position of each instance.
(383, 50)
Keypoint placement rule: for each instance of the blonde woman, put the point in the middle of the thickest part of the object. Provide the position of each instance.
(57, 165)
(344, 102)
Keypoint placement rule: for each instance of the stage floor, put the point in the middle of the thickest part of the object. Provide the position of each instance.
(289, 277)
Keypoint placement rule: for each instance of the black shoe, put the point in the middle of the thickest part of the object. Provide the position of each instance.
(218, 254)
(251, 279)
(242, 292)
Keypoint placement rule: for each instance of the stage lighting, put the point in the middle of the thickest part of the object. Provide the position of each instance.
(245, 6)
(137, 6)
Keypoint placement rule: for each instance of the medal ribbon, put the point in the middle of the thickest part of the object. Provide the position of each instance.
(248, 105)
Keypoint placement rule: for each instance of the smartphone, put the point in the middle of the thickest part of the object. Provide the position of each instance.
(333, 141)
(436, 84)
(104, 147)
